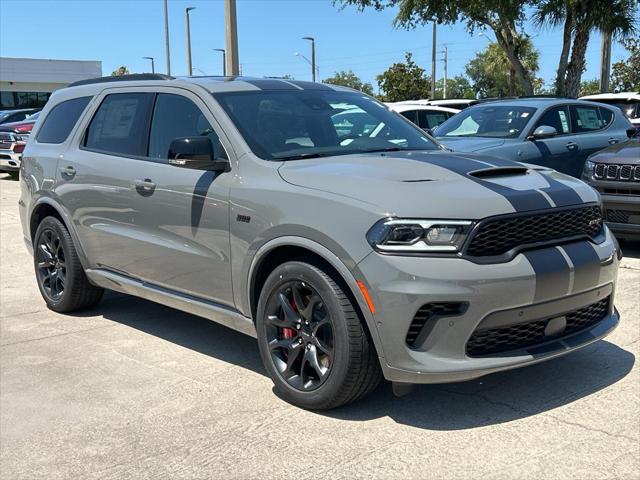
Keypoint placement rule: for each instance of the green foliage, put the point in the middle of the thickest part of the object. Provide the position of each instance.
(491, 74)
(589, 87)
(457, 87)
(351, 80)
(120, 71)
(404, 81)
(625, 75)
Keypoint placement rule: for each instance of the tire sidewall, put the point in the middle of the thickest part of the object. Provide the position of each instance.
(301, 271)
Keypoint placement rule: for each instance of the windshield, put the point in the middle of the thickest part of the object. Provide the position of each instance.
(493, 121)
(289, 125)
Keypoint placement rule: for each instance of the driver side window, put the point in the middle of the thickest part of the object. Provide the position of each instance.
(556, 117)
(174, 117)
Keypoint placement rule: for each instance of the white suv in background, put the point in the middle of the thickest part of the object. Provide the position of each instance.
(628, 102)
(427, 117)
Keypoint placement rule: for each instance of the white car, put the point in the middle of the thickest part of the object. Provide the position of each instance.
(457, 103)
(426, 117)
(628, 102)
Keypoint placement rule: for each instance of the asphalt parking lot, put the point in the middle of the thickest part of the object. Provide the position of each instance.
(131, 389)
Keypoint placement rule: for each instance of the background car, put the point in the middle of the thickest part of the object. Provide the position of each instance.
(615, 173)
(426, 117)
(9, 116)
(457, 103)
(13, 138)
(628, 102)
(554, 132)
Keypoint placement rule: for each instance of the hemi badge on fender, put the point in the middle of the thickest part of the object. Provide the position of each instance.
(243, 218)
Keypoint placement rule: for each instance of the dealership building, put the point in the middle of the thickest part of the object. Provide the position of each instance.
(28, 82)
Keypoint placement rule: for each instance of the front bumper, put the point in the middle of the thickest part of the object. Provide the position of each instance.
(622, 214)
(9, 161)
(400, 286)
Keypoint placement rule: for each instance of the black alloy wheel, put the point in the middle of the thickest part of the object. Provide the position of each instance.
(51, 264)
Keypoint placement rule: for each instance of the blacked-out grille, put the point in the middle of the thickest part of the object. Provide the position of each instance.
(431, 311)
(497, 236)
(529, 334)
(612, 171)
(622, 216)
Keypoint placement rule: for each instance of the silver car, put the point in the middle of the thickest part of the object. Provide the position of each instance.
(350, 256)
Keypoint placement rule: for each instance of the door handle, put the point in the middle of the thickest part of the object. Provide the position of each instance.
(572, 146)
(144, 187)
(613, 141)
(68, 172)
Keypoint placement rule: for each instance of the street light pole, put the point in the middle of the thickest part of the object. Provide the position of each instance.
(313, 57)
(233, 64)
(444, 59)
(153, 65)
(189, 67)
(224, 60)
(166, 37)
(433, 62)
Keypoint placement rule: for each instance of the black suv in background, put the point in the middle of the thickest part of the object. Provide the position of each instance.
(615, 173)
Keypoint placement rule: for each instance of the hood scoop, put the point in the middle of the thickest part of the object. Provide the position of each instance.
(499, 172)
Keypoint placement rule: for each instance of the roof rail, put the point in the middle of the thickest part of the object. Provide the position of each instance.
(122, 78)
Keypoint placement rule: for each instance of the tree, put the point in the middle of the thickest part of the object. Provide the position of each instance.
(118, 72)
(625, 75)
(589, 87)
(457, 87)
(492, 76)
(404, 81)
(351, 80)
(578, 19)
(504, 17)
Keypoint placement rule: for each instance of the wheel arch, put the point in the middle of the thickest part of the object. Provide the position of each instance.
(282, 249)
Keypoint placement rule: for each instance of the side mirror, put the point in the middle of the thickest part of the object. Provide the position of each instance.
(198, 153)
(542, 132)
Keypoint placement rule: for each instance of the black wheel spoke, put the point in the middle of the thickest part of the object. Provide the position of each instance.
(289, 313)
(323, 347)
(292, 356)
(308, 311)
(312, 359)
(44, 251)
(276, 321)
(297, 299)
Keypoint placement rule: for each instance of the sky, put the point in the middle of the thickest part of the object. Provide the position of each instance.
(121, 32)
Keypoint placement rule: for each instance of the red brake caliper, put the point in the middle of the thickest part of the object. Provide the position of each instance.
(289, 332)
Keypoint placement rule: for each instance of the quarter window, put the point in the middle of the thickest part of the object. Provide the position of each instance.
(121, 124)
(61, 120)
(606, 116)
(174, 117)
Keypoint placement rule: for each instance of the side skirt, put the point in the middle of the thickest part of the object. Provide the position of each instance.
(222, 314)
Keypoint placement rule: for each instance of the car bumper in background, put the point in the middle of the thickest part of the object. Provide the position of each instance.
(9, 161)
(449, 319)
(622, 214)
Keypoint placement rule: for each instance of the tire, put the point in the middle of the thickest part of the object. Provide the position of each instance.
(59, 273)
(319, 369)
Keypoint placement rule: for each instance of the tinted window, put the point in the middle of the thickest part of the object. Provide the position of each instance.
(431, 119)
(556, 117)
(288, 125)
(585, 119)
(176, 117)
(494, 121)
(410, 115)
(606, 116)
(121, 124)
(61, 120)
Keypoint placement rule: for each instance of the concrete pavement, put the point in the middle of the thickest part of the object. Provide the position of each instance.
(132, 389)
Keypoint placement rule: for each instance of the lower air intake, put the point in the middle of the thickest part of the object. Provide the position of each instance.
(424, 319)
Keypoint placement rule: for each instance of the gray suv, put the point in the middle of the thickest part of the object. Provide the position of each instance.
(349, 256)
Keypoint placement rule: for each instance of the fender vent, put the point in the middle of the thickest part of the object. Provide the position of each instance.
(425, 318)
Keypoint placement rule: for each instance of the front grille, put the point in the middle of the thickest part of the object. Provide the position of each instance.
(497, 236)
(431, 311)
(611, 171)
(529, 334)
(622, 216)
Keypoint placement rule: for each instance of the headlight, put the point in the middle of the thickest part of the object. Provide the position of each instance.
(588, 168)
(419, 236)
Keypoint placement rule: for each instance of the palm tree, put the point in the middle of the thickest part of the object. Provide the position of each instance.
(579, 18)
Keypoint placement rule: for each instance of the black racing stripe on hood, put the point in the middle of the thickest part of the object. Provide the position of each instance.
(521, 200)
(586, 265)
(561, 194)
(552, 273)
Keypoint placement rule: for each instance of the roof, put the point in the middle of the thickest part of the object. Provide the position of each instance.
(613, 96)
(529, 101)
(405, 106)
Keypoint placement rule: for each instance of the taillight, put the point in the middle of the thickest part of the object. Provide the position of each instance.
(26, 128)
(18, 148)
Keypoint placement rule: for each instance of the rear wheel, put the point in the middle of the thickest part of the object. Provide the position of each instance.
(61, 279)
(311, 339)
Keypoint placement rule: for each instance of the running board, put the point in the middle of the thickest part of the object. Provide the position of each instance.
(224, 315)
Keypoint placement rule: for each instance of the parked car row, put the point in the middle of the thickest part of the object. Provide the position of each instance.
(13, 137)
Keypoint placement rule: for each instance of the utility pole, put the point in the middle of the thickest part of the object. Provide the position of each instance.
(153, 64)
(433, 62)
(605, 62)
(166, 37)
(189, 67)
(313, 57)
(224, 60)
(444, 59)
(233, 66)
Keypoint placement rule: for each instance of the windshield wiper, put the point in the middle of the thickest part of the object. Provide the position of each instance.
(388, 149)
(301, 156)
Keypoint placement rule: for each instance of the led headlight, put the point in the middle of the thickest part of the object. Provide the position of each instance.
(416, 236)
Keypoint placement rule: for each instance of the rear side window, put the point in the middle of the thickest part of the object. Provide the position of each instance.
(431, 119)
(121, 124)
(585, 119)
(61, 120)
(410, 115)
(176, 117)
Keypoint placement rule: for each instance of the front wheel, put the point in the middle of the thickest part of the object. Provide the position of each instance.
(312, 341)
